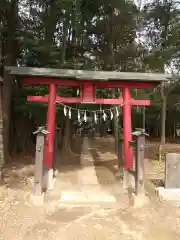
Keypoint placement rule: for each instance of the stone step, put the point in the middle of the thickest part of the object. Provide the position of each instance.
(170, 195)
(90, 196)
(86, 194)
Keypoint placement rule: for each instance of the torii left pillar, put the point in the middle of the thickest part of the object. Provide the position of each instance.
(49, 140)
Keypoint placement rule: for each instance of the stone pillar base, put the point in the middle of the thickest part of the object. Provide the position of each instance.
(140, 200)
(37, 200)
(128, 180)
(48, 179)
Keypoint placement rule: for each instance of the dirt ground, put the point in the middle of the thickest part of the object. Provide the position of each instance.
(61, 220)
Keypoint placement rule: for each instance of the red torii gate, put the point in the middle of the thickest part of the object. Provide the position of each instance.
(88, 81)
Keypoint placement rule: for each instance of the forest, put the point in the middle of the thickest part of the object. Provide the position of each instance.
(114, 35)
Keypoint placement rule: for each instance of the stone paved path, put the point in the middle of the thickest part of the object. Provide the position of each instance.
(87, 173)
(85, 185)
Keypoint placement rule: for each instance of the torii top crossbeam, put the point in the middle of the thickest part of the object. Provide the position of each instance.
(89, 75)
(88, 81)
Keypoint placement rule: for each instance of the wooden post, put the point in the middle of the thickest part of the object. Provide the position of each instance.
(139, 161)
(55, 149)
(39, 169)
(127, 126)
(120, 150)
(49, 147)
(93, 132)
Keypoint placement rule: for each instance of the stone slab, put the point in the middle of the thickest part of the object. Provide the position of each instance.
(172, 196)
(172, 170)
(87, 196)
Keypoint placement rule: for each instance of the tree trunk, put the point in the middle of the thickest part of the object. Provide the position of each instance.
(66, 142)
(1, 121)
(163, 122)
(65, 35)
(10, 60)
(165, 23)
(115, 124)
(144, 118)
(1, 137)
(51, 15)
(75, 11)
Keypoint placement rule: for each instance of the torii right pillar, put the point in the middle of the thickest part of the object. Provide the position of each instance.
(128, 101)
(127, 126)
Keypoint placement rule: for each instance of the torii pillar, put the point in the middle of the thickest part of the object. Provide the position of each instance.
(127, 126)
(49, 140)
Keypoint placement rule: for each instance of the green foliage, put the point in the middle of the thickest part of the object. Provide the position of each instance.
(99, 35)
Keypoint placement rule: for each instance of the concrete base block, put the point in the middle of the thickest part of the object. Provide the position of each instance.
(37, 200)
(49, 179)
(171, 195)
(140, 200)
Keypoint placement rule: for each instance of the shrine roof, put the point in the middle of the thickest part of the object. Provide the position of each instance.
(68, 74)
